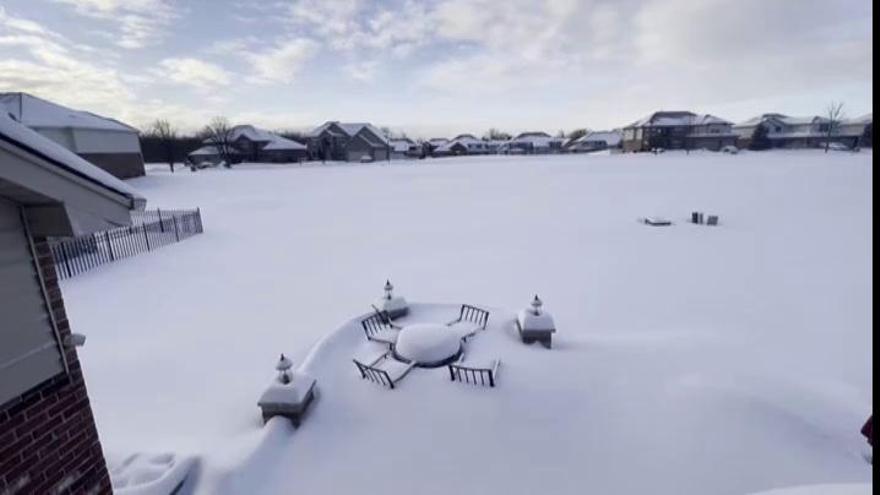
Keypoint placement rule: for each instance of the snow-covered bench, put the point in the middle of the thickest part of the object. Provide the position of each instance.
(474, 375)
(470, 319)
(384, 370)
(379, 328)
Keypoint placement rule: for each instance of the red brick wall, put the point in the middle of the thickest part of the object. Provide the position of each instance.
(48, 440)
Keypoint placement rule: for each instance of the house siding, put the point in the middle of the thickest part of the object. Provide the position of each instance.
(48, 439)
(120, 165)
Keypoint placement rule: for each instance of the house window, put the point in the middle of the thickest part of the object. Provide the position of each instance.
(29, 350)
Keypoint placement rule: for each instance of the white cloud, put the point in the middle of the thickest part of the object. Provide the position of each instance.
(194, 72)
(283, 62)
(141, 22)
(364, 71)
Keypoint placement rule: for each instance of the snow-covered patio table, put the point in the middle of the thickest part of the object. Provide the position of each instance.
(429, 345)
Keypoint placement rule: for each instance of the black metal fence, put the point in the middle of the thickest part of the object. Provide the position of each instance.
(150, 230)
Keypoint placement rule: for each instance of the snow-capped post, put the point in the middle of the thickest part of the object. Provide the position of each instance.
(535, 324)
(393, 306)
(289, 394)
(283, 368)
(536, 305)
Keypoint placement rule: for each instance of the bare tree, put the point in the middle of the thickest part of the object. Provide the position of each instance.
(166, 135)
(834, 115)
(496, 135)
(220, 134)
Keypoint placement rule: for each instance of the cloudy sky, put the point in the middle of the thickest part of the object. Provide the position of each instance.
(434, 67)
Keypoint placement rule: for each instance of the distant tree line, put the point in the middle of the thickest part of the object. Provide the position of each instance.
(163, 143)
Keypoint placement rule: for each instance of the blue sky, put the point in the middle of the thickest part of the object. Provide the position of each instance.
(438, 67)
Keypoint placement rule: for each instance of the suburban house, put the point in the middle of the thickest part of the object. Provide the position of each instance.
(402, 148)
(857, 132)
(463, 144)
(250, 144)
(678, 130)
(533, 143)
(348, 142)
(595, 141)
(48, 439)
(107, 143)
(784, 131)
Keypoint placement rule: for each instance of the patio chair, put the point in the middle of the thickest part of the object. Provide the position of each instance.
(470, 319)
(474, 375)
(384, 370)
(386, 317)
(379, 328)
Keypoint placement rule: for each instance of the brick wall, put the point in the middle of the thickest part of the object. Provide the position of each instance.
(48, 440)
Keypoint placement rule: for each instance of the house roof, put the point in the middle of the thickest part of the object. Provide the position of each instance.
(208, 150)
(611, 138)
(402, 144)
(279, 143)
(527, 135)
(36, 112)
(868, 118)
(34, 143)
(677, 119)
(537, 139)
(350, 129)
(273, 141)
(783, 119)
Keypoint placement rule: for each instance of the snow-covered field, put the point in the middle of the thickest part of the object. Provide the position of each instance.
(688, 359)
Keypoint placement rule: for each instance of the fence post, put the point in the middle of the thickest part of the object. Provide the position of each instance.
(146, 236)
(109, 245)
(176, 230)
(161, 225)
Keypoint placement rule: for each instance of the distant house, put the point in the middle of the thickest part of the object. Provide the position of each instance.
(783, 131)
(595, 141)
(251, 144)
(463, 144)
(857, 132)
(402, 148)
(432, 144)
(678, 130)
(348, 142)
(48, 435)
(533, 143)
(105, 142)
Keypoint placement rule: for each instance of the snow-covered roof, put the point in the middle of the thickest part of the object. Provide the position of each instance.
(612, 138)
(402, 145)
(39, 145)
(525, 136)
(257, 135)
(783, 119)
(438, 141)
(209, 150)
(537, 139)
(447, 146)
(868, 118)
(678, 119)
(350, 129)
(465, 139)
(41, 114)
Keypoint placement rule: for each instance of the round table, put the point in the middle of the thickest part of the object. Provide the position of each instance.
(428, 345)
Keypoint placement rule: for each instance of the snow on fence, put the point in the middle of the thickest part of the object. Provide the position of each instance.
(150, 230)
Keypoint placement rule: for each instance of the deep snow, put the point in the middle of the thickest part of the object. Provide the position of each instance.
(688, 359)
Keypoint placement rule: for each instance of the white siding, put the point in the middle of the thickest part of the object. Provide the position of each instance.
(29, 352)
(98, 141)
(64, 137)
